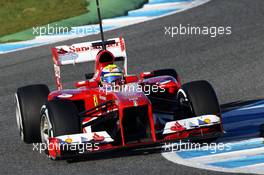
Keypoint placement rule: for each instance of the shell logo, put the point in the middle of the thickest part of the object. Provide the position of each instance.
(68, 140)
(207, 121)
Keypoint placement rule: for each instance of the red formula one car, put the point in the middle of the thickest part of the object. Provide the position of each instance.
(140, 110)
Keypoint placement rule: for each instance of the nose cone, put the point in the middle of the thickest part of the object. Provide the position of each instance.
(132, 99)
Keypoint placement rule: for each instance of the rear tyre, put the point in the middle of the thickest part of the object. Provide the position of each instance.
(29, 100)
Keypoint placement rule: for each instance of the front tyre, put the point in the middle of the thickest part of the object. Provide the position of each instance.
(58, 117)
(201, 97)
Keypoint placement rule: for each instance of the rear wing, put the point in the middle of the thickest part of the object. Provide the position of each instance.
(86, 52)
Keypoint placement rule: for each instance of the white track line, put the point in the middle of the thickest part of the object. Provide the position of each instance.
(201, 162)
(227, 155)
(178, 160)
(192, 4)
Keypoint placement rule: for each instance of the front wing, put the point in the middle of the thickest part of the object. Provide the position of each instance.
(195, 128)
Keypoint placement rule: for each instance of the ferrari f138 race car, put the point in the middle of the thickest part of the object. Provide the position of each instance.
(143, 110)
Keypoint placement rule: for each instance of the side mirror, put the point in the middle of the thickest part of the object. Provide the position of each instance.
(145, 75)
(87, 83)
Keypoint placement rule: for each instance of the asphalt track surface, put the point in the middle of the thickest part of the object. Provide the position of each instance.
(233, 64)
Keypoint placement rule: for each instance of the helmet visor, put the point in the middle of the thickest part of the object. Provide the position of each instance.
(112, 77)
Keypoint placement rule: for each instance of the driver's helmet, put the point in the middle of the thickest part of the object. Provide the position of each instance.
(111, 74)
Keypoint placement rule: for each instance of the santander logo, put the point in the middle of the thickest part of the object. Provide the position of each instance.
(84, 48)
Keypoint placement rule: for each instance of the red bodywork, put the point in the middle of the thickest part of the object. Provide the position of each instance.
(91, 94)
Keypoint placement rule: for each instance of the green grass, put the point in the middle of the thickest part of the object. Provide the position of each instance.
(18, 15)
(71, 13)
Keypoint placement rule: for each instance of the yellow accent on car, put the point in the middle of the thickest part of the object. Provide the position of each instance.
(207, 121)
(95, 100)
(68, 140)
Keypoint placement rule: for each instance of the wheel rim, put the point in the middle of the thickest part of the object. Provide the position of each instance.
(181, 96)
(19, 118)
(183, 99)
(44, 128)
